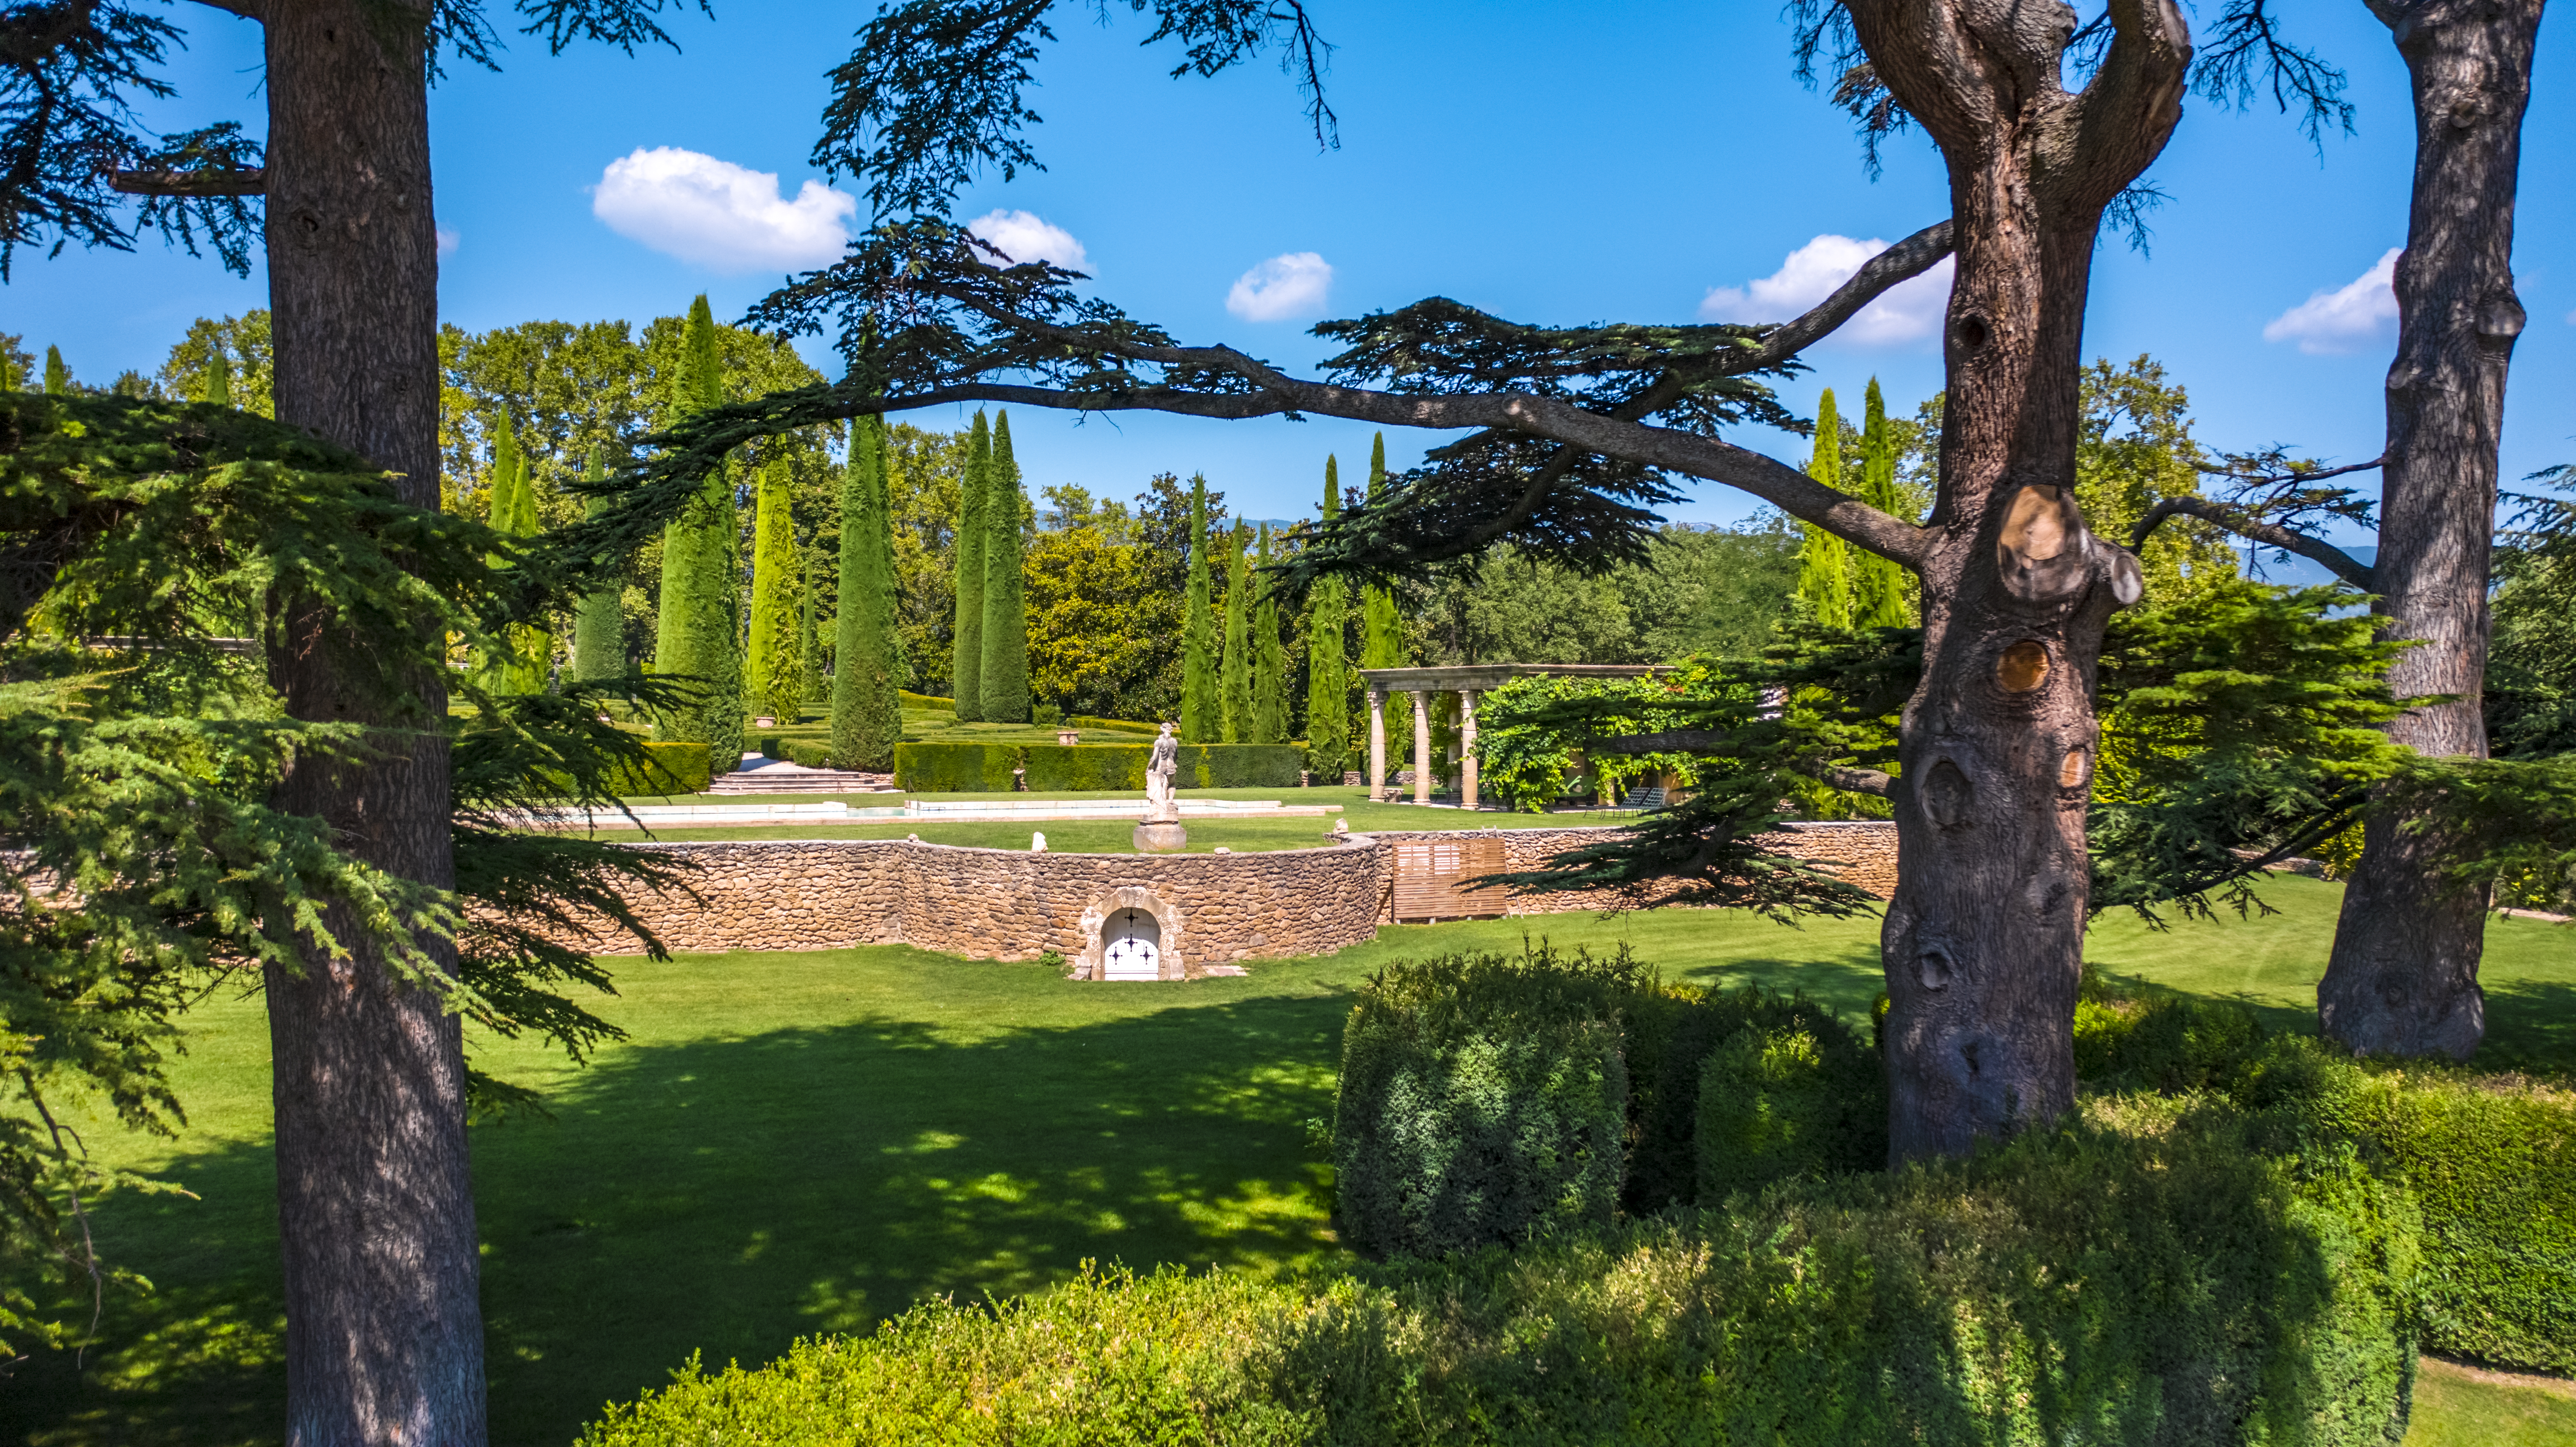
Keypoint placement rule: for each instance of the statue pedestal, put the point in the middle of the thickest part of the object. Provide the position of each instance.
(1161, 838)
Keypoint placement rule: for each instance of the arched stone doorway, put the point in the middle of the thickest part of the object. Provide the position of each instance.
(1131, 934)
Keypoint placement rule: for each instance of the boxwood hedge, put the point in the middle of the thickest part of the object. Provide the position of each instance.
(673, 768)
(955, 768)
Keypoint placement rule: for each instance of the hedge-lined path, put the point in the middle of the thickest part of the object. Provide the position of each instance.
(806, 1142)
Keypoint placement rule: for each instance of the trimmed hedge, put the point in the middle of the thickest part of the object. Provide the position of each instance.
(674, 768)
(1239, 766)
(2142, 1276)
(810, 755)
(2490, 1160)
(1088, 721)
(955, 768)
(1118, 768)
(909, 699)
(1107, 768)
(1788, 1093)
(1482, 1098)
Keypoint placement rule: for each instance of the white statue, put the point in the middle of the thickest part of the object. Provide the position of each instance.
(1162, 805)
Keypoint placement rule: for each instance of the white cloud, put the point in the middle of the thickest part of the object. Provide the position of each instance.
(720, 215)
(1024, 237)
(1282, 287)
(2344, 319)
(448, 240)
(1906, 312)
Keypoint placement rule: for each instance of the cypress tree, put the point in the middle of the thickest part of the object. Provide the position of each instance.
(1382, 641)
(867, 714)
(1201, 723)
(1234, 680)
(1824, 561)
(1328, 684)
(215, 384)
(770, 673)
(966, 642)
(598, 623)
(532, 646)
(1269, 659)
(700, 627)
(1003, 682)
(809, 642)
(1878, 584)
(58, 378)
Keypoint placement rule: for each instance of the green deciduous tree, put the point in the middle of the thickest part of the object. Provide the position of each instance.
(1328, 684)
(1002, 683)
(700, 630)
(598, 624)
(1269, 658)
(1202, 714)
(1234, 677)
(772, 674)
(966, 668)
(867, 714)
(242, 344)
(1824, 562)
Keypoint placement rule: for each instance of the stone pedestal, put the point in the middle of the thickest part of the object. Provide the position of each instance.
(1161, 838)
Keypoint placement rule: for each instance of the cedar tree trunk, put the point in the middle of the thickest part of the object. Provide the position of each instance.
(384, 1333)
(2403, 979)
(1983, 943)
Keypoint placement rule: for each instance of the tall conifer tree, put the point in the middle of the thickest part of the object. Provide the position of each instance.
(1878, 584)
(532, 645)
(1269, 658)
(1382, 635)
(1004, 681)
(809, 642)
(867, 712)
(771, 673)
(598, 623)
(966, 642)
(1201, 719)
(1824, 561)
(1234, 680)
(699, 631)
(215, 384)
(58, 378)
(1328, 684)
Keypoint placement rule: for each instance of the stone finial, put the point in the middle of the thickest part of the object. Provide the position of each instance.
(1037, 842)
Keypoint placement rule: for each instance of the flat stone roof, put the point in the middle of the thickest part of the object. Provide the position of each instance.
(1481, 676)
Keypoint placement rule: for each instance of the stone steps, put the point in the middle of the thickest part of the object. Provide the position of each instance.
(796, 779)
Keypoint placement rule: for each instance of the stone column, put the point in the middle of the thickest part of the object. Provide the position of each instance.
(1422, 746)
(1377, 745)
(1467, 748)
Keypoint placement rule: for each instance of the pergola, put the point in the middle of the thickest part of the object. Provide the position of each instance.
(1466, 681)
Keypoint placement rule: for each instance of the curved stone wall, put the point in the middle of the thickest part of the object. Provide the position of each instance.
(1006, 904)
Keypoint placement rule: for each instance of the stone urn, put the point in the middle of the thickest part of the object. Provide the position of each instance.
(1068, 737)
(764, 721)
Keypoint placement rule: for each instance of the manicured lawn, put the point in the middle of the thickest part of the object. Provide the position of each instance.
(801, 1143)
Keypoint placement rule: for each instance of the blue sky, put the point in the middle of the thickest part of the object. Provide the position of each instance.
(1550, 163)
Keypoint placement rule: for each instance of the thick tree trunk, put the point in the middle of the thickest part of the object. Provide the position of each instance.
(384, 1332)
(2403, 978)
(1983, 943)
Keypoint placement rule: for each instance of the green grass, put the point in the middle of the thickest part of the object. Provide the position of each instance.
(801, 1143)
(2458, 1406)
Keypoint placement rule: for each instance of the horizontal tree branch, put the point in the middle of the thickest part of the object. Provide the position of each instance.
(246, 9)
(1900, 263)
(2316, 550)
(1775, 482)
(253, 182)
(1857, 781)
(2317, 475)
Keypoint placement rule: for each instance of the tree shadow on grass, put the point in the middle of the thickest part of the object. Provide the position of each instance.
(2531, 1025)
(725, 1196)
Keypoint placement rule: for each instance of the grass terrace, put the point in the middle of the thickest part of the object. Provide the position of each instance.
(800, 1143)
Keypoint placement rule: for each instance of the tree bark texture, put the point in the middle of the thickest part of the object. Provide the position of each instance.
(1983, 941)
(2403, 977)
(384, 1332)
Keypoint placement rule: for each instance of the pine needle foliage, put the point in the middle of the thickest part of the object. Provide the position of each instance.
(1003, 682)
(143, 863)
(966, 660)
(867, 712)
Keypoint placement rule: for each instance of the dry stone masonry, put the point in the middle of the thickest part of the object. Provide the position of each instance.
(1009, 905)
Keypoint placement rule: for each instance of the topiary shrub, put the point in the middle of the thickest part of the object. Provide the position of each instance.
(1483, 1097)
(1789, 1092)
(955, 768)
(674, 768)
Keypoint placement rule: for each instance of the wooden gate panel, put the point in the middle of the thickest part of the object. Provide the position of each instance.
(1430, 873)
